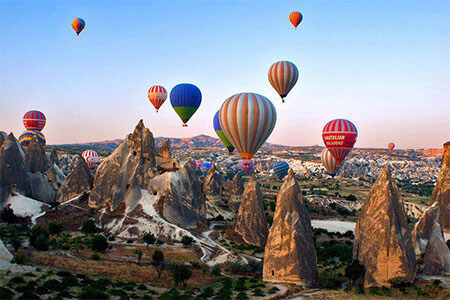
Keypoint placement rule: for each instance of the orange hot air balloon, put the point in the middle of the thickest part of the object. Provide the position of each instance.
(283, 75)
(391, 146)
(295, 18)
(157, 95)
(78, 25)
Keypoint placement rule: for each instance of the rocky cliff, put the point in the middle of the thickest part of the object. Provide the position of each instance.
(236, 191)
(441, 193)
(290, 255)
(383, 242)
(250, 222)
(437, 254)
(79, 181)
(212, 186)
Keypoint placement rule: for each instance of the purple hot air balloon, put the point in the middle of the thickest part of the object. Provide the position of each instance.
(246, 166)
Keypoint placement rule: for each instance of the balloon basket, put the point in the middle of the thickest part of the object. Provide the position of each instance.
(184, 125)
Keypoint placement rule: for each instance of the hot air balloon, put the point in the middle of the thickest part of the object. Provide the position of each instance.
(329, 162)
(280, 168)
(339, 136)
(34, 120)
(221, 135)
(91, 158)
(198, 163)
(26, 137)
(391, 146)
(78, 25)
(185, 99)
(205, 167)
(295, 18)
(247, 120)
(246, 166)
(282, 76)
(157, 95)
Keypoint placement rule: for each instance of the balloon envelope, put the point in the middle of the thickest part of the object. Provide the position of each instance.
(78, 25)
(329, 162)
(26, 137)
(246, 166)
(280, 168)
(339, 136)
(91, 158)
(220, 134)
(247, 120)
(185, 99)
(198, 163)
(205, 167)
(391, 146)
(157, 96)
(34, 120)
(295, 18)
(283, 75)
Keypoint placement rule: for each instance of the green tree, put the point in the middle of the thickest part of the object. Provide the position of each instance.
(39, 238)
(139, 254)
(54, 227)
(89, 226)
(158, 262)
(187, 240)
(149, 239)
(99, 243)
(181, 274)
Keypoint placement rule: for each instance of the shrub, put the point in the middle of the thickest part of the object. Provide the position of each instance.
(158, 262)
(7, 215)
(149, 239)
(139, 254)
(241, 296)
(207, 292)
(6, 293)
(95, 256)
(16, 242)
(54, 227)
(99, 243)
(351, 197)
(39, 238)
(258, 292)
(216, 270)
(89, 226)
(54, 285)
(355, 271)
(181, 274)
(20, 258)
(88, 293)
(172, 294)
(274, 290)
(187, 240)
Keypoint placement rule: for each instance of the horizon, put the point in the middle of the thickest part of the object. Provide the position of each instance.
(385, 64)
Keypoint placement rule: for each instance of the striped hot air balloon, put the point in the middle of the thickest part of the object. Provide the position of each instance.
(185, 99)
(91, 158)
(282, 76)
(220, 134)
(157, 95)
(198, 163)
(280, 168)
(34, 120)
(295, 18)
(329, 162)
(247, 120)
(391, 146)
(339, 136)
(205, 167)
(246, 166)
(26, 137)
(78, 25)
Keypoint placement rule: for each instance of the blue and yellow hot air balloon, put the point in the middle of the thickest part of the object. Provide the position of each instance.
(280, 168)
(26, 137)
(221, 135)
(185, 99)
(205, 167)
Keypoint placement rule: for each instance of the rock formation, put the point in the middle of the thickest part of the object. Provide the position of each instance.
(212, 186)
(54, 157)
(290, 255)
(441, 192)
(236, 190)
(130, 182)
(35, 158)
(12, 169)
(424, 227)
(250, 222)
(164, 151)
(437, 254)
(3, 137)
(79, 181)
(383, 243)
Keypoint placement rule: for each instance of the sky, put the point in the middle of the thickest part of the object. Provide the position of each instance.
(384, 65)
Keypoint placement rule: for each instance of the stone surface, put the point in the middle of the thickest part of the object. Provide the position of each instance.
(35, 158)
(54, 157)
(383, 242)
(250, 222)
(236, 191)
(41, 188)
(3, 137)
(424, 227)
(12, 169)
(437, 254)
(212, 186)
(79, 181)
(441, 192)
(290, 255)
(164, 151)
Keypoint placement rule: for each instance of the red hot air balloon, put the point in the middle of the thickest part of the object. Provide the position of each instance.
(283, 75)
(198, 163)
(391, 147)
(339, 136)
(295, 18)
(157, 95)
(34, 120)
(78, 25)
(91, 158)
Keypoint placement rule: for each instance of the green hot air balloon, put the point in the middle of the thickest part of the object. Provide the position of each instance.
(221, 135)
(185, 99)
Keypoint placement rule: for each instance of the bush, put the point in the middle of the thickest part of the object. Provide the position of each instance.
(6, 293)
(20, 258)
(89, 226)
(207, 292)
(355, 271)
(172, 294)
(7, 215)
(241, 296)
(54, 227)
(181, 274)
(258, 292)
(158, 262)
(95, 256)
(216, 270)
(39, 238)
(88, 293)
(99, 243)
(149, 238)
(187, 240)
(351, 197)
(274, 290)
